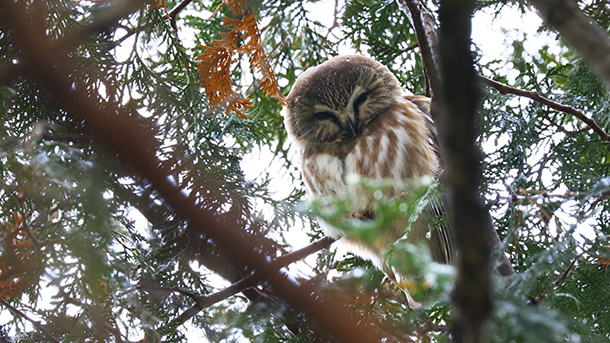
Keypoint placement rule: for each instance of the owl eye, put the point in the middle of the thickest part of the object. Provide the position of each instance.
(360, 100)
(323, 115)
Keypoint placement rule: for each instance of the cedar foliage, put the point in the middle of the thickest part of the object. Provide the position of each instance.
(78, 257)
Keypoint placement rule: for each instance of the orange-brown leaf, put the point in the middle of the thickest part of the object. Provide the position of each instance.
(18, 259)
(215, 63)
(160, 4)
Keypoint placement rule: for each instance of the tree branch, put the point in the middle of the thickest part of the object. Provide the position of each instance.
(173, 14)
(335, 23)
(203, 301)
(580, 32)
(562, 278)
(431, 327)
(424, 25)
(36, 324)
(474, 232)
(19, 197)
(505, 89)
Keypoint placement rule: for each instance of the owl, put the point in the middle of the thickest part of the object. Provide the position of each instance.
(350, 119)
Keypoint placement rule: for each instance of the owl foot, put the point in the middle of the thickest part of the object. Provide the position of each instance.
(412, 303)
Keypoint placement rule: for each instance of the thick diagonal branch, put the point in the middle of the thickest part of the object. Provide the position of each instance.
(137, 149)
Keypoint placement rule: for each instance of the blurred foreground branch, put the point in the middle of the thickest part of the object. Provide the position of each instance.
(136, 149)
(474, 232)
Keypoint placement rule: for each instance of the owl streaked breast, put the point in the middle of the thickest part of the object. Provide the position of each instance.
(389, 148)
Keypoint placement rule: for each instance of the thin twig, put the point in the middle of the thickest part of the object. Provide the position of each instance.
(173, 14)
(412, 47)
(146, 285)
(300, 254)
(432, 327)
(24, 223)
(36, 324)
(335, 23)
(505, 89)
(527, 195)
(203, 301)
(22, 212)
(562, 278)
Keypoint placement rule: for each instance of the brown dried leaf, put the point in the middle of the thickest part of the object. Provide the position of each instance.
(214, 66)
(17, 261)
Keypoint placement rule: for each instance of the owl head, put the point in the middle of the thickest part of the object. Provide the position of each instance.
(335, 101)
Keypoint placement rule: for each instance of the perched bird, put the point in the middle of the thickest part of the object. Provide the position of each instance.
(350, 119)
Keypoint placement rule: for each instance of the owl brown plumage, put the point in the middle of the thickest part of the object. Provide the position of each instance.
(350, 117)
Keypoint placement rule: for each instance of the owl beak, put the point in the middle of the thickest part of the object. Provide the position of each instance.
(350, 123)
(353, 126)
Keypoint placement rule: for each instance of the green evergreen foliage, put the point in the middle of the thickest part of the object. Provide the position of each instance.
(110, 261)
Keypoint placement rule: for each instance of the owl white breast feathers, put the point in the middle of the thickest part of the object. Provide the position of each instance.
(350, 117)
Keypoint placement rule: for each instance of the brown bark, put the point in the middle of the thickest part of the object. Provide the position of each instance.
(474, 232)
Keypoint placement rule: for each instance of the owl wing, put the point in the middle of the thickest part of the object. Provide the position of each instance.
(422, 102)
(443, 242)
